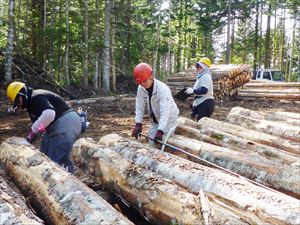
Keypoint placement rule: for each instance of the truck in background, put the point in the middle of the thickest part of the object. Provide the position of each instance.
(269, 75)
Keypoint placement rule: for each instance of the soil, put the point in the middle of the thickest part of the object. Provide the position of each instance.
(120, 120)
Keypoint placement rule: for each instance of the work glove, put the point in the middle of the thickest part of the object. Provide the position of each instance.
(136, 130)
(189, 91)
(31, 137)
(158, 136)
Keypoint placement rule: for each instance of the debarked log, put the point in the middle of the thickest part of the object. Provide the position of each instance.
(57, 195)
(241, 144)
(256, 136)
(276, 175)
(159, 200)
(13, 208)
(254, 204)
(283, 130)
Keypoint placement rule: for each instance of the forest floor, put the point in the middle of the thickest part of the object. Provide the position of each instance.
(120, 119)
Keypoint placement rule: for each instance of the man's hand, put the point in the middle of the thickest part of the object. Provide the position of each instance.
(31, 137)
(136, 130)
(189, 91)
(158, 136)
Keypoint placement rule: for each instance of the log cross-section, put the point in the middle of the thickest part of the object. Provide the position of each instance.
(57, 195)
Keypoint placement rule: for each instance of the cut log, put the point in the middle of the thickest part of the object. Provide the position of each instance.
(243, 145)
(57, 195)
(282, 117)
(291, 96)
(258, 137)
(278, 176)
(274, 85)
(157, 199)
(13, 208)
(254, 204)
(109, 99)
(274, 128)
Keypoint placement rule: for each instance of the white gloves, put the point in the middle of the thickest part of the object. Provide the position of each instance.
(189, 91)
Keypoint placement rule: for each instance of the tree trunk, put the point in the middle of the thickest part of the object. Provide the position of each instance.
(86, 45)
(113, 43)
(67, 72)
(259, 137)
(158, 199)
(10, 42)
(290, 118)
(44, 35)
(222, 188)
(267, 172)
(267, 62)
(292, 51)
(283, 130)
(60, 197)
(241, 144)
(228, 50)
(97, 81)
(51, 46)
(106, 57)
(13, 208)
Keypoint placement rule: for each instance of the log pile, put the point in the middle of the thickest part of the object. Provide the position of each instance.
(229, 197)
(55, 194)
(159, 200)
(267, 159)
(270, 90)
(285, 127)
(226, 79)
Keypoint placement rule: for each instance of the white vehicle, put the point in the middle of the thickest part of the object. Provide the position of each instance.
(269, 75)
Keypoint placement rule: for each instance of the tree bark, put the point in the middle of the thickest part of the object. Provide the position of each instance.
(86, 45)
(265, 171)
(13, 208)
(241, 144)
(10, 42)
(159, 200)
(258, 137)
(274, 128)
(67, 46)
(222, 188)
(60, 197)
(106, 57)
(290, 118)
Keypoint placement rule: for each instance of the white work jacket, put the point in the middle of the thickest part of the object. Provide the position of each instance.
(163, 105)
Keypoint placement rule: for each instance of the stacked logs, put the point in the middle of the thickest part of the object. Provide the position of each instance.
(231, 200)
(271, 90)
(59, 197)
(226, 79)
(262, 146)
(163, 187)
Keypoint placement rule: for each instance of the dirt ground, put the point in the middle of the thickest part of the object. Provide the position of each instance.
(120, 119)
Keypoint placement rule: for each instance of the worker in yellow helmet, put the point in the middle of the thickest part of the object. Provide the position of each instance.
(203, 104)
(50, 115)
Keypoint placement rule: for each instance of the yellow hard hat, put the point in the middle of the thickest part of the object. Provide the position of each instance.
(206, 61)
(13, 89)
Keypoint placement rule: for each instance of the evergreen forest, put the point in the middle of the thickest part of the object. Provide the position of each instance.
(95, 44)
